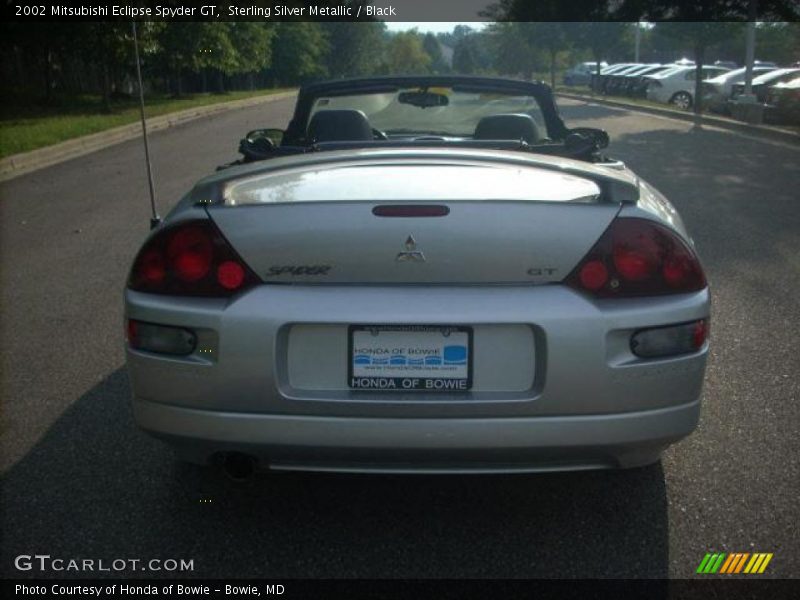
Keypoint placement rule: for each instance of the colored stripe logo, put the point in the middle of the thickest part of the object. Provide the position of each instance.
(736, 562)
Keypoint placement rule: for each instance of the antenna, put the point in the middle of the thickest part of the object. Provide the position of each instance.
(155, 220)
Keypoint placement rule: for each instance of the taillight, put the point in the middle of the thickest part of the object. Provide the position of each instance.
(190, 259)
(638, 257)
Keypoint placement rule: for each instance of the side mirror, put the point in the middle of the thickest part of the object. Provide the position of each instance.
(260, 143)
(598, 136)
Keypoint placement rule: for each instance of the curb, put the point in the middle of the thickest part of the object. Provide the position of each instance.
(775, 133)
(27, 162)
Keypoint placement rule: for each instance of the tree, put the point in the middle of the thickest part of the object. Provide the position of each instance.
(355, 48)
(434, 49)
(252, 46)
(43, 44)
(406, 54)
(779, 42)
(471, 53)
(111, 45)
(511, 49)
(599, 37)
(298, 51)
(549, 36)
(179, 49)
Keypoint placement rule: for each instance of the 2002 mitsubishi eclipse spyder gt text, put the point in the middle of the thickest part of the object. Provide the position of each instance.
(420, 274)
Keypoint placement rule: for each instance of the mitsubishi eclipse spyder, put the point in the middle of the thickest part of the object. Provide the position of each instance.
(419, 275)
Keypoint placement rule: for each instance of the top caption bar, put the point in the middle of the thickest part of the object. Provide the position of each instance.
(404, 10)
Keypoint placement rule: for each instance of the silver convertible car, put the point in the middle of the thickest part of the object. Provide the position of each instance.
(422, 275)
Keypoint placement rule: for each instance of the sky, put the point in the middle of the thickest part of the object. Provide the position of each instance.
(431, 26)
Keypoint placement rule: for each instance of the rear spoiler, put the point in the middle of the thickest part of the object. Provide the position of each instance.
(615, 186)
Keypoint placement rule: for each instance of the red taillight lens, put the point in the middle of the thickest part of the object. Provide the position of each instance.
(230, 275)
(190, 252)
(593, 275)
(153, 268)
(638, 257)
(190, 259)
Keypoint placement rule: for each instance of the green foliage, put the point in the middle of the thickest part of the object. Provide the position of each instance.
(299, 50)
(434, 49)
(406, 54)
(355, 48)
(511, 50)
(778, 41)
(601, 38)
(252, 45)
(49, 59)
(472, 52)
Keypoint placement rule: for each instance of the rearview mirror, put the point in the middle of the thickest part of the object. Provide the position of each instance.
(423, 99)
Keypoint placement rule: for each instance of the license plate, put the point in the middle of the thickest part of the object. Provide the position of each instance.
(427, 358)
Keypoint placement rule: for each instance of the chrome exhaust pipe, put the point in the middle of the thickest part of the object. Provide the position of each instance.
(239, 467)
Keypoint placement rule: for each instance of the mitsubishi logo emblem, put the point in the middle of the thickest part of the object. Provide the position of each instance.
(411, 254)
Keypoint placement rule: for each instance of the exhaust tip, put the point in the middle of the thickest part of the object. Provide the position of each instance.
(239, 467)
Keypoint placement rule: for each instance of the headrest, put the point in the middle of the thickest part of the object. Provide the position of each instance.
(518, 126)
(339, 126)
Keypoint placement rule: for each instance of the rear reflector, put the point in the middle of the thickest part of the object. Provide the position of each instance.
(161, 339)
(670, 341)
(411, 210)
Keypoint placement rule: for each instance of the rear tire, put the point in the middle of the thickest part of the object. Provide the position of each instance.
(682, 100)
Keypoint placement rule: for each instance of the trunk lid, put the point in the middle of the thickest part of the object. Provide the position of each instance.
(503, 223)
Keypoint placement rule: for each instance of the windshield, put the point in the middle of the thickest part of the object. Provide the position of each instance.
(457, 114)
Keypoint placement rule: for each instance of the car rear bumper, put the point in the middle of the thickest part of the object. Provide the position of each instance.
(414, 445)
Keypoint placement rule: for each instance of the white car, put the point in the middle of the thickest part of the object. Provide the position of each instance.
(676, 86)
(717, 90)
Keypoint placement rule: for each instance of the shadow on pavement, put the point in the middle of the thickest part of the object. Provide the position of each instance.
(96, 487)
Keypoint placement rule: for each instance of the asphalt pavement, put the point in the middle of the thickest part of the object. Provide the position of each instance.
(80, 481)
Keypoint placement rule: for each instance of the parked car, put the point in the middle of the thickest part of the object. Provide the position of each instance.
(617, 80)
(598, 81)
(676, 86)
(762, 83)
(411, 278)
(631, 84)
(717, 90)
(581, 74)
(783, 103)
(727, 64)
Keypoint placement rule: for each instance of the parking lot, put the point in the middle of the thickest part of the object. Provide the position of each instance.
(80, 481)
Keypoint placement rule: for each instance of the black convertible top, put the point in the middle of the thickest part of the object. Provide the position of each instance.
(295, 133)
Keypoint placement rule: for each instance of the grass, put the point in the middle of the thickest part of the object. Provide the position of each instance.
(26, 124)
